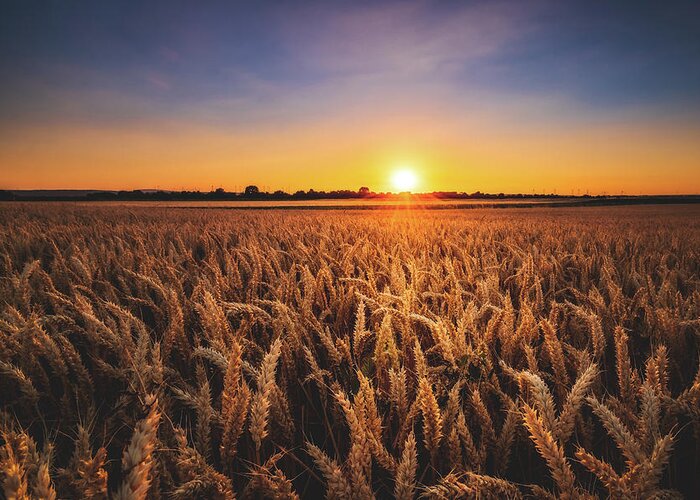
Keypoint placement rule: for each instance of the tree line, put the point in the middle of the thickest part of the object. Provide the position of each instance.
(251, 192)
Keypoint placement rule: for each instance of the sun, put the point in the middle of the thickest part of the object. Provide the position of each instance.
(404, 179)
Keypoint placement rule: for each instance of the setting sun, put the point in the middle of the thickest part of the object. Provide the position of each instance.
(404, 180)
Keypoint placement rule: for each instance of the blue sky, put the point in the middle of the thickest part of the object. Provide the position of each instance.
(173, 55)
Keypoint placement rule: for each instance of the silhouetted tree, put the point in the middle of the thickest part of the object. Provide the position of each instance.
(363, 191)
(251, 190)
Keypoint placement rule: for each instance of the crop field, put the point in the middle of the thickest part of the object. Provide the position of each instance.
(204, 353)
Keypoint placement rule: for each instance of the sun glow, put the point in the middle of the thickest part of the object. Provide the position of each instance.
(404, 179)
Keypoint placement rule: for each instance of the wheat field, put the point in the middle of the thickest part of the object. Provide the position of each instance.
(543, 353)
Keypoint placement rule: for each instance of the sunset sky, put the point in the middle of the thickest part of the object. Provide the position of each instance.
(515, 96)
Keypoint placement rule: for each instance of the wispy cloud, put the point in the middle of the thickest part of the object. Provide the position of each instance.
(410, 39)
(158, 81)
(169, 54)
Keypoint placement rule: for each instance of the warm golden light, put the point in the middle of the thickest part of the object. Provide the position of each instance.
(404, 180)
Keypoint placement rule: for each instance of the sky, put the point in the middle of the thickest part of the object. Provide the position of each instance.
(501, 96)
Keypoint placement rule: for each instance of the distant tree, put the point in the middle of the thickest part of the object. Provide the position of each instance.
(363, 191)
(251, 190)
(220, 191)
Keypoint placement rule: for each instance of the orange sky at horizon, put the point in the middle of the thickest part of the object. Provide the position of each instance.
(346, 155)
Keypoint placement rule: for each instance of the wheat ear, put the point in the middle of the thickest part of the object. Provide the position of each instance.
(260, 406)
(432, 419)
(567, 418)
(338, 486)
(550, 451)
(406, 471)
(138, 457)
(622, 436)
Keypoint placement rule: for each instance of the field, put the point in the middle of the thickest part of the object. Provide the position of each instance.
(205, 353)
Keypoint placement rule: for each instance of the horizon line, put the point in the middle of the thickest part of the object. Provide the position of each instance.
(313, 191)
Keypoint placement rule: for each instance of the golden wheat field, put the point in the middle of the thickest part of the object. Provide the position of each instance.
(543, 353)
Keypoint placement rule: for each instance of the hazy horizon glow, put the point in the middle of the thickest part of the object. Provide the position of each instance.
(490, 96)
